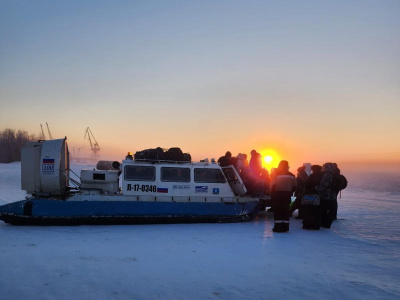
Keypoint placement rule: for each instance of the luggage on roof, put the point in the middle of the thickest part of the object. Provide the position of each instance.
(172, 154)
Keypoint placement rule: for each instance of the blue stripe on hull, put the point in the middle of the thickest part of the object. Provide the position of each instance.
(136, 208)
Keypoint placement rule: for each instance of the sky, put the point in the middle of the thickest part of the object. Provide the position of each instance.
(313, 81)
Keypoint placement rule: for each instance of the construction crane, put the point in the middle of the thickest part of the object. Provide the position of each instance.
(42, 136)
(48, 129)
(93, 146)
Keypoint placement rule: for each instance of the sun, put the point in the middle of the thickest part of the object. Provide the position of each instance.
(270, 158)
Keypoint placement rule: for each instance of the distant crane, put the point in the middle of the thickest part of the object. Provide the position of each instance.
(48, 129)
(42, 136)
(93, 146)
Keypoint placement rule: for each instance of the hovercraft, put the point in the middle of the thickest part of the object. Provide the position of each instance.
(131, 192)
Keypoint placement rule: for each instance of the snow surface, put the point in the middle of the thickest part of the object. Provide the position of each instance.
(358, 258)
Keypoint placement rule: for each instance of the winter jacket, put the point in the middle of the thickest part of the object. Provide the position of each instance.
(326, 192)
(224, 161)
(301, 183)
(284, 182)
(313, 180)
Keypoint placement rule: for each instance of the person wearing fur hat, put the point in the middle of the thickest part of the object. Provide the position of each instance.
(282, 187)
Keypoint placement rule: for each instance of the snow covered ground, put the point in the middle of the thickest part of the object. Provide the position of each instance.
(358, 258)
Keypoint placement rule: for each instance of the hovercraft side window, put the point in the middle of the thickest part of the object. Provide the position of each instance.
(140, 173)
(172, 174)
(208, 175)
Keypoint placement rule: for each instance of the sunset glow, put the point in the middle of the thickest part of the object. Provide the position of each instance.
(270, 159)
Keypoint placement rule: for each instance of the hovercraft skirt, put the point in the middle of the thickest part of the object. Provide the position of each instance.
(57, 212)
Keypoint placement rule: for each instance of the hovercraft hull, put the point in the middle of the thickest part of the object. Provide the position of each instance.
(59, 212)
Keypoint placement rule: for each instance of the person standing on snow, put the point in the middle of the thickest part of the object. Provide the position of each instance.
(301, 187)
(328, 195)
(312, 214)
(282, 187)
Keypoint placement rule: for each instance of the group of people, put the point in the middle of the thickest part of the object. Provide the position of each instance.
(322, 186)
(254, 176)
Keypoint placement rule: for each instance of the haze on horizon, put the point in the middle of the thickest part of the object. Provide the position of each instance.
(313, 80)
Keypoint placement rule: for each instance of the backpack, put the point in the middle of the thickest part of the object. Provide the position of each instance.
(175, 154)
(343, 182)
(339, 182)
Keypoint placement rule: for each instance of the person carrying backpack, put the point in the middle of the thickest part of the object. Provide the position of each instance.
(328, 195)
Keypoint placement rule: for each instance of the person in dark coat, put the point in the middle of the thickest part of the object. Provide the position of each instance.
(255, 163)
(312, 214)
(245, 161)
(301, 187)
(315, 177)
(282, 187)
(225, 160)
(328, 196)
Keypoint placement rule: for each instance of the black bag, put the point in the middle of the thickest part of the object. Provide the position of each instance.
(339, 182)
(175, 154)
(187, 157)
(150, 154)
(343, 182)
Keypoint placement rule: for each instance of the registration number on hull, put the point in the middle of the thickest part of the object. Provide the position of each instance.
(145, 188)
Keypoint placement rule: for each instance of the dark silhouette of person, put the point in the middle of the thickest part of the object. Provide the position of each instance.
(225, 160)
(328, 196)
(255, 163)
(312, 214)
(301, 187)
(245, 161)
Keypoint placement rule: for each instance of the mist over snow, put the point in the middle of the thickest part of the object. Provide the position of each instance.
(358, 258)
